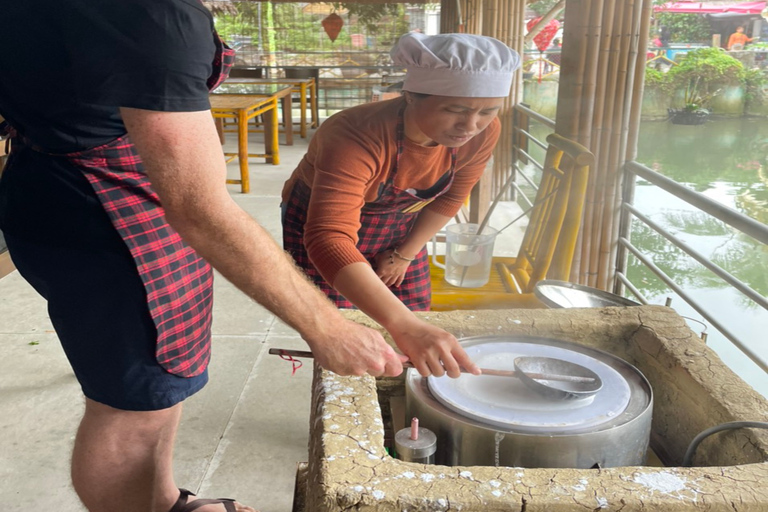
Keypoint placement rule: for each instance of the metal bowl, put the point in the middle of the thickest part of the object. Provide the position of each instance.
(562, 294)
(561, 390)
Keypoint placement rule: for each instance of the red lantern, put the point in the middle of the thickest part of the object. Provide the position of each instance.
(543, 39)
(332, 25)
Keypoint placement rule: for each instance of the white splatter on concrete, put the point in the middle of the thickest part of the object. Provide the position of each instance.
(662, 481)
(602, 502)
(427, 477)
(379, 495)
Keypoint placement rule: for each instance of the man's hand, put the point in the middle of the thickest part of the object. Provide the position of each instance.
(348, 348)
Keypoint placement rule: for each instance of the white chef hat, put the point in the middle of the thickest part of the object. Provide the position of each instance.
(463, 65)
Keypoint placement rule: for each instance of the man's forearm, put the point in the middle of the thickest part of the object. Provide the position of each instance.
(247, 255)
(187, 169)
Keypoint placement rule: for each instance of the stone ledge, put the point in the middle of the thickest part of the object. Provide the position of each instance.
(349, 468)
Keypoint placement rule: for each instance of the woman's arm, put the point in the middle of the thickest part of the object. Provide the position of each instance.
(426, 226)
(392, 267)
(432, 350)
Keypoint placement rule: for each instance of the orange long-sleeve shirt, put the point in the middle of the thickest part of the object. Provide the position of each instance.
(738, 38)
(351, 155)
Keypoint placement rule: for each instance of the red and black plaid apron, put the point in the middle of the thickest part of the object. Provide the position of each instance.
(178, 282)
(385, 223)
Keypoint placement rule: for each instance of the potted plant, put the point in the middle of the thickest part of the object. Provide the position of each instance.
(695, 104)
(701, 75)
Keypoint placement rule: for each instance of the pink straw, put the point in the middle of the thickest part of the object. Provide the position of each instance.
(414, 429)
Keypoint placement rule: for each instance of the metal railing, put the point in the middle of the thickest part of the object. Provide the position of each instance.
(738, 221)
(541, 64)
(522, 136)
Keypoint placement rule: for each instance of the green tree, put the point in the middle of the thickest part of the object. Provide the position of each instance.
(542, 7)
(703, 73)
(244, 22)
(685, 28)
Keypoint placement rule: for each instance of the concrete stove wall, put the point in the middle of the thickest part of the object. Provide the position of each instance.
(349, 468)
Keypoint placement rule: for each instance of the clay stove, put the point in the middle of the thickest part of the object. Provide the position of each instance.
(350, 469)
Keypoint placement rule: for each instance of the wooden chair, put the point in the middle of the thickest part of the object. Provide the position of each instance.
(548, 244)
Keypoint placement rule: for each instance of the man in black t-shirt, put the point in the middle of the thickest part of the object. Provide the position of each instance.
(80, 207)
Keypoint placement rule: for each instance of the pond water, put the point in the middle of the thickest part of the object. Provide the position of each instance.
(726, 160)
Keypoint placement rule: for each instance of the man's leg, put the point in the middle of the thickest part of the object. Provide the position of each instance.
(123, 460)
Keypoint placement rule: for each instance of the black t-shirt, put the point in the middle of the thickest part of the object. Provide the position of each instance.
(67, 65)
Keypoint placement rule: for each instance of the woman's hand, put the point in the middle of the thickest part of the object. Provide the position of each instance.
(390, 268)
(432, 350)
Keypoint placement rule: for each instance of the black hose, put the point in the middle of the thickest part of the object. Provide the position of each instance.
(718, 428)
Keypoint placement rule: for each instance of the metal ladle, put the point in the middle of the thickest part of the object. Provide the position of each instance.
(528, 369)
(549, 377)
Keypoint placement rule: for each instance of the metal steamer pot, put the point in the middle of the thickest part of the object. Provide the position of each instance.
(496, 421)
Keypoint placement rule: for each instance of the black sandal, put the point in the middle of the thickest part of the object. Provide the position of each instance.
(181, 504)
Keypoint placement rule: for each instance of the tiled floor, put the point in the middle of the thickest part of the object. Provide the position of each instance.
(241, 436)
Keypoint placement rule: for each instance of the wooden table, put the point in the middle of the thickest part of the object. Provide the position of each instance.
(302, 86)
(283, 92)
(244, 104)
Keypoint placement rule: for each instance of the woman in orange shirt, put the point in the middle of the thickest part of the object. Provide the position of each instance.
(738, 38)
(380, 179)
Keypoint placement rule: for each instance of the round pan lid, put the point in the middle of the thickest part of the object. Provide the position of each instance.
(562, 294)
(505, 402)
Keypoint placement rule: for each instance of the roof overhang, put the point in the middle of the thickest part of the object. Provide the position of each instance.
(712, 7)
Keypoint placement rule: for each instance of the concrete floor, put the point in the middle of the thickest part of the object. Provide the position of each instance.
(241, 436)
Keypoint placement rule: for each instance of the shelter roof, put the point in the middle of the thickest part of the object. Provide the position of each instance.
(712, 7)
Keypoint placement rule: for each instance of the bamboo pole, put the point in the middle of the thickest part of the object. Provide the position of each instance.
(473, 17)
(573, 57)
(609, 139)
(635, 54)
(603, 109)
(596, 117)
(602, 143)
(628, 185)
(646, 11)
(593, 97)
(500, 157)
(573, 60)
(599, 106)
(617, 143)
(591, 68)
(504, 14)
(448, 21)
